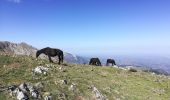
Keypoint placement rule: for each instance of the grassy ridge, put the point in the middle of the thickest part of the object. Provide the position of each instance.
(113, 83)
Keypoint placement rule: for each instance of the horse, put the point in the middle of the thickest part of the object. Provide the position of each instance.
(51, 52)
(95, 61)
(110, 61)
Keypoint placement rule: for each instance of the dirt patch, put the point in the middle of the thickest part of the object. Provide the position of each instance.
(14, 66)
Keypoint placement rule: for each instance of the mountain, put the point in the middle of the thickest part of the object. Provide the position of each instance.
(18, 49)
(26, 49)
(71, 58)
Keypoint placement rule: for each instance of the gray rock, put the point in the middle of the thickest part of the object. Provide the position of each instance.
(98, 95)
(41, 70)
(34, 93)
(73, 87)
(11, 90)
(21, 95)
(23, 87)
(47, 96)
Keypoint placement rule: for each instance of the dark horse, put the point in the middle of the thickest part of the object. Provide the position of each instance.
(51, 52)
(110, 61)
(95, 61)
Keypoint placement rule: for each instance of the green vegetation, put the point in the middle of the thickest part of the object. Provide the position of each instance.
(113, 83)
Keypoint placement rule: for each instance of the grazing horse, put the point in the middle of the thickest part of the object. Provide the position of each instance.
(110, 61)
(51, 52)
(95, 61)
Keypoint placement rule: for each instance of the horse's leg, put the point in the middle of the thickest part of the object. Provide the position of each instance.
(50, 59)
(62, 58)
(59, 57)
(96, 64)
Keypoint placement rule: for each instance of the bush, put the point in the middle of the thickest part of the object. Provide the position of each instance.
(132, 70)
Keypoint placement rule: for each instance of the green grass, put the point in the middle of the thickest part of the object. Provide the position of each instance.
(113, 83)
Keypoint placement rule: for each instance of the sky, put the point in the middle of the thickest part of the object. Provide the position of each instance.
(89, 27)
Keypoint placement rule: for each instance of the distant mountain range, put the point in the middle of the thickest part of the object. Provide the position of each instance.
(155, 64)
(161, 64)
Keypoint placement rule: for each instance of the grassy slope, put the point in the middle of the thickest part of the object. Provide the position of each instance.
(111, 82)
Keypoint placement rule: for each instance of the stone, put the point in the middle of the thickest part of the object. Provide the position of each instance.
(72, 87)
(98, 95)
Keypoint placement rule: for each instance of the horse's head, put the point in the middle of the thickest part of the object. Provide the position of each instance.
(38, 53)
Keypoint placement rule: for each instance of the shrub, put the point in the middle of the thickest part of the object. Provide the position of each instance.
(132, 70)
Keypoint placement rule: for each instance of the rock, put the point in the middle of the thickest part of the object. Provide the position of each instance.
(29, 85)
(23, 87)
(98, 95)
(12, 89)
(21, 95)
(123, 68)
(34, 93)
(62, 69)
(41, 70)
(47, 96)
(115, 66)
(72, 87)
(62, 96)
(50, 65)
(61, 82)
(4, 66)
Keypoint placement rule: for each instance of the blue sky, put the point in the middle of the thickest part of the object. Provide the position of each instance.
(89, 27)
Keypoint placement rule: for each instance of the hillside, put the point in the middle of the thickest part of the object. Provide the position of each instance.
(156, 64)
(26, 49)
(78, 82)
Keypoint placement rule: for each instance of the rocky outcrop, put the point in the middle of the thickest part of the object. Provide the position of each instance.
(18, 49)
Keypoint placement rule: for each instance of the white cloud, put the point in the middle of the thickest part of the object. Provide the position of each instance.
(15, 1)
